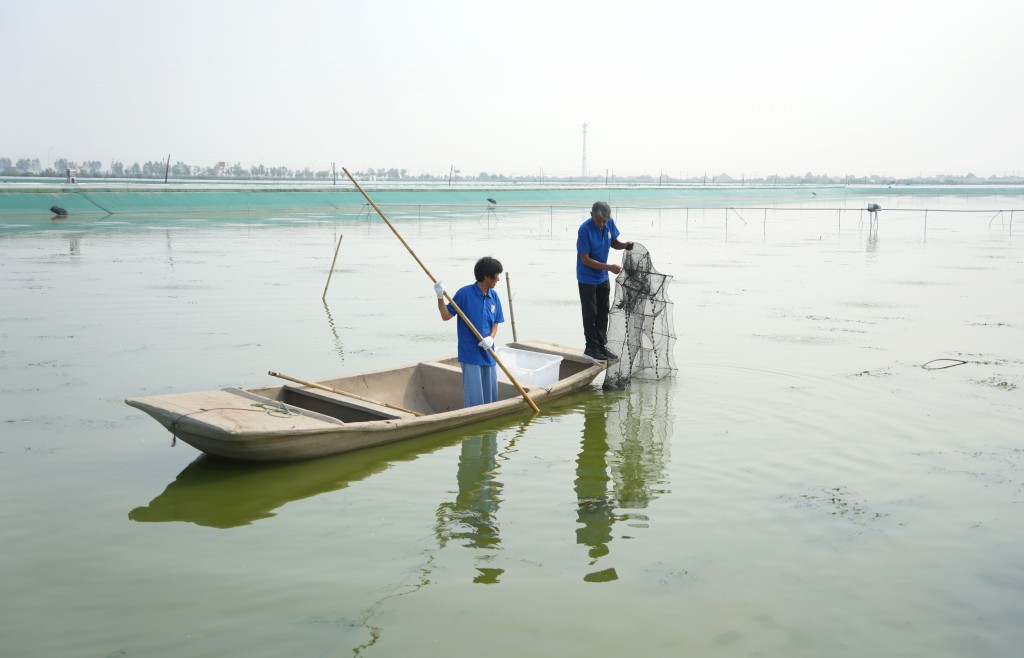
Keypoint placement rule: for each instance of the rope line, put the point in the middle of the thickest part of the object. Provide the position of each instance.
(954, 363)
(280, 410)
(89, 199)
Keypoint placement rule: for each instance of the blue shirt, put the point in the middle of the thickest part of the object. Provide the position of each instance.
(484, 311)
(595, 243)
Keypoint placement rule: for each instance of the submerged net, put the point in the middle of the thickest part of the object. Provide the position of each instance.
(640, 327)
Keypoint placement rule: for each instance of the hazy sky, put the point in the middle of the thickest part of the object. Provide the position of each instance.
(897, 87)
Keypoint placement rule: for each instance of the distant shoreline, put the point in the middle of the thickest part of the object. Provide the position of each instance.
(722, 180)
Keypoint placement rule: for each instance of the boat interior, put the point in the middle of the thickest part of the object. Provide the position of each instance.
(425, 388)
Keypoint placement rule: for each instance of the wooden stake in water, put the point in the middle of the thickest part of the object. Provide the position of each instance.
(511, 312)
(331, 271)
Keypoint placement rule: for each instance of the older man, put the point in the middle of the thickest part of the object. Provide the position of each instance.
(596, 237)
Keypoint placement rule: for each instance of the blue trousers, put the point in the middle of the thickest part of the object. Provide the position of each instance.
(479, 384)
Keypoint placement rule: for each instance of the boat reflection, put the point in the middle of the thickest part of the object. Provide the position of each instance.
(224, 494)
(620, 469)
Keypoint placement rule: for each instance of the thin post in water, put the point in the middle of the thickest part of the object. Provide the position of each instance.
(331, 271)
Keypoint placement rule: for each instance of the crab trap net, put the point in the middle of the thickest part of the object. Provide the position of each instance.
(640, 327)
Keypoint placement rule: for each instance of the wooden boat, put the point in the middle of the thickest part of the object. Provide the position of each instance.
(292, 422)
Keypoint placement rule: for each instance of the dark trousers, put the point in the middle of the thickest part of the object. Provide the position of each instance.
(594, 302)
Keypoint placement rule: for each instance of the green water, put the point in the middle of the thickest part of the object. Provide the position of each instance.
(803, 487)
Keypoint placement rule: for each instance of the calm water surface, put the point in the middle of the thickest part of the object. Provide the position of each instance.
(803, 487)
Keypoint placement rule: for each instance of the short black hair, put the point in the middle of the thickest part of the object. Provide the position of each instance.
(486, 267)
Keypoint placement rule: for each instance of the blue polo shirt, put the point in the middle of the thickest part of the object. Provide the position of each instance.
(484, 311)
(595, 243)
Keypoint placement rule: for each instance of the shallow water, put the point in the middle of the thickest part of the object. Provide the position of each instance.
(803, 487)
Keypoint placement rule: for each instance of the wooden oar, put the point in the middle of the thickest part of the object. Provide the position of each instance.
(340, 392)
(511, 378)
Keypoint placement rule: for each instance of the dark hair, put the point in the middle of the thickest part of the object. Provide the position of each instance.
(602, 209)
(486, 267)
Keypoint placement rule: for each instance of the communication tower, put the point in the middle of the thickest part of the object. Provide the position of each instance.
(584, 149)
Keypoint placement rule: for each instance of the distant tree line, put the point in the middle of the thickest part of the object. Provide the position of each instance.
(177, 170)
(157, 169)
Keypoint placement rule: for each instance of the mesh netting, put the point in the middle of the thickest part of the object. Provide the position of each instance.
(640, 327)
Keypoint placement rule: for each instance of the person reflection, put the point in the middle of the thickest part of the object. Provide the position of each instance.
(595, 508)
(619, 475)
(472, 517)
(645, 424)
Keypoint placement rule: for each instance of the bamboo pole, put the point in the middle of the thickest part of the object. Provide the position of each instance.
(323, 298)
(511, 311)
(511, 377)
(305, 382)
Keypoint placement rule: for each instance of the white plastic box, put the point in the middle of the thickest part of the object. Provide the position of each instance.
(529, 368)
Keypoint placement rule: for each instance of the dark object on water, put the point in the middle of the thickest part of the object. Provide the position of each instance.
(57, 210)
(874, 207)
(492, 201)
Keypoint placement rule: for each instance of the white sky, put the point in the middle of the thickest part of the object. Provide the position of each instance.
(895, 87)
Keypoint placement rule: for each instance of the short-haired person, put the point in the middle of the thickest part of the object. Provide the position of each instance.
(479, 302)
(596, 237)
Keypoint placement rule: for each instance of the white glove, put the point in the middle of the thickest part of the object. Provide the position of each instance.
(439, 289)
(487, 343)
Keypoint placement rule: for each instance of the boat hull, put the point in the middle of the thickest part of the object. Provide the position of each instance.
(288, 423)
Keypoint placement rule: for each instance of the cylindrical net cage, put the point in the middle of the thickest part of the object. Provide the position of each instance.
(640, 326)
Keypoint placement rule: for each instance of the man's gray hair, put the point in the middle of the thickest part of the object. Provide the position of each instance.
(602, 209)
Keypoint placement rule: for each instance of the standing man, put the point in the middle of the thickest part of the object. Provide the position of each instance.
(479, 301)
(596, 236)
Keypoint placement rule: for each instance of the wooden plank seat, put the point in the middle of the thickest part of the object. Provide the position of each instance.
(339, 406)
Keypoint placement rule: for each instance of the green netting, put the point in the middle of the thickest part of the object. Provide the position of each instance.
(98, 198)
(122, 202)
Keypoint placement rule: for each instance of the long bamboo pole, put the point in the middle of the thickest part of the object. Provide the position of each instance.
(511, 377)
(305, 382)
